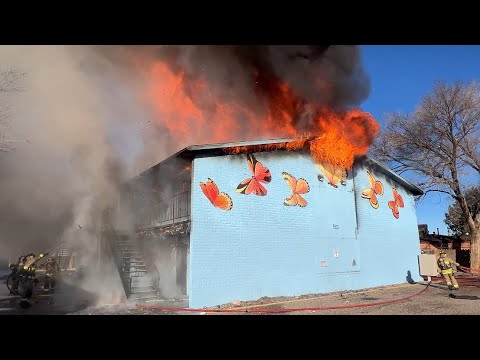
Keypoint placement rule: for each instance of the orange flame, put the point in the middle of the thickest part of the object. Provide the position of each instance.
(342, 136)
(190, 112)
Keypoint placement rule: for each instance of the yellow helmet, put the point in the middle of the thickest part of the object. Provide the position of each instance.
(443, 252)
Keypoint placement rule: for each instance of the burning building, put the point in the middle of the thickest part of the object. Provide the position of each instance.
(213, 222)
(306, 213)
(239, 221)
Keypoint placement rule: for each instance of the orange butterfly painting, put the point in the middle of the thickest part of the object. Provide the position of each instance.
(260, 174)
(298, 187)
(334, 174)
(217, 198)
(376, 188)
(396, 203)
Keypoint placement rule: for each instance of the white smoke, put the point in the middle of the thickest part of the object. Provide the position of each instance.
(85, 131)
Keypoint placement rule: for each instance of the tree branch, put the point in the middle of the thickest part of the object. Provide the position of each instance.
(439, 143)
(8, 83)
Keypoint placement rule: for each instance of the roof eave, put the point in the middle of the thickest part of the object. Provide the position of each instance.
(188, 152)
(415, 190)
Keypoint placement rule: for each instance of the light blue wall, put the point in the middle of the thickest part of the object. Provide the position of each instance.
(264, 248)
(389, 246)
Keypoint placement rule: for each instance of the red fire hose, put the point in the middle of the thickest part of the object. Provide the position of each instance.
(284, 310)
(464, 280)
(468, 270)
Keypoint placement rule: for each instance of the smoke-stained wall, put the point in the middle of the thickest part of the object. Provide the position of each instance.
(253, 246)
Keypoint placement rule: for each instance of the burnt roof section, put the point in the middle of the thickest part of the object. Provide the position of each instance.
(188, 153)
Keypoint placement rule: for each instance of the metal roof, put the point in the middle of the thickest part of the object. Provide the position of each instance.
(190, 151)
(235, 144)
(415, 190)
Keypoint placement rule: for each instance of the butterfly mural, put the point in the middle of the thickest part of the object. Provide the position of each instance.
(260, 174)
(334, 174)
(396, 203)
(298, 187)
(217, 198)
(376, 188)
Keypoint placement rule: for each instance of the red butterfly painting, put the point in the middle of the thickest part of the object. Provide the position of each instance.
(260, 174)
(217, 198)
(396, 203)
(298, 187)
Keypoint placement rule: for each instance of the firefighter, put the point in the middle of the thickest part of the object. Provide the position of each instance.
(445, 265)
(25, 279)
(14, 276)
(17, 271)
(51, 269)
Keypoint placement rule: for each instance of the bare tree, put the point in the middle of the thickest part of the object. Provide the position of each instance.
(455, 219)
(8, 83)
(440, 143)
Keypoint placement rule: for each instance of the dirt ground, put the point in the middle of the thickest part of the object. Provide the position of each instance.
(422, 299)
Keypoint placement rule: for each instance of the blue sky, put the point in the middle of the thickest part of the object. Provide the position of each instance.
(400, 76)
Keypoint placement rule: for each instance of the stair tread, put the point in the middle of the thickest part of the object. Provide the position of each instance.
(136, 264)
(144, 293)
(137, 267)
(143, 288)
(143, 298)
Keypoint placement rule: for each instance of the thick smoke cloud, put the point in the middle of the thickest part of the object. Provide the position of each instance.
(330, 76)
(81, 131)
(274, 82)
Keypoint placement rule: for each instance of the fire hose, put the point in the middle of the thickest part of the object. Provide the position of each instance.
(282, 310)
(27, 266)
(468, 270)
(465, 280)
